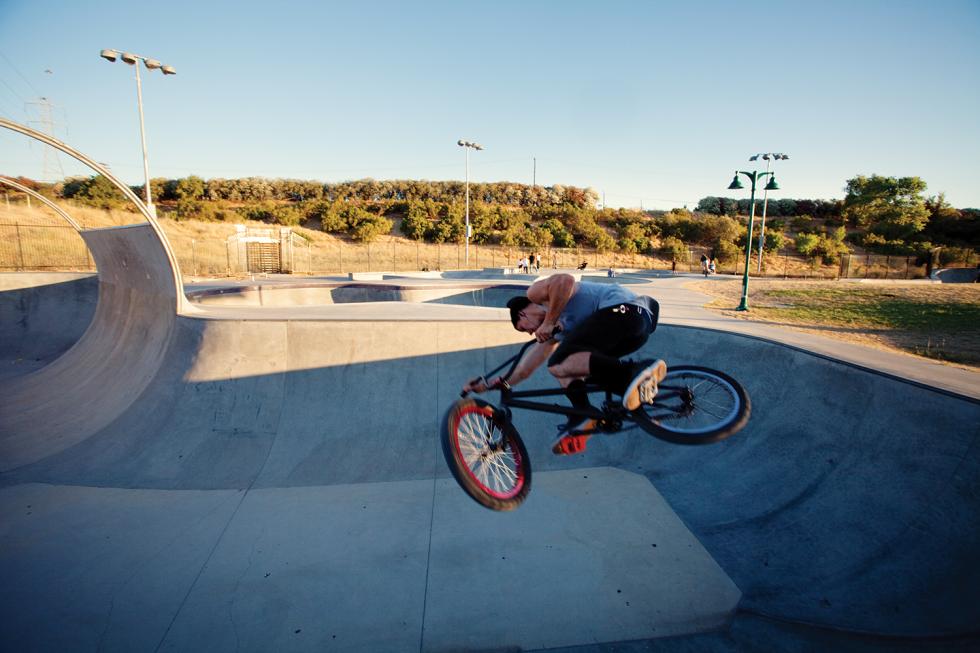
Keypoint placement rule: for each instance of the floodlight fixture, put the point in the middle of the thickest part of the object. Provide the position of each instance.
(468, 145)
(151, 64)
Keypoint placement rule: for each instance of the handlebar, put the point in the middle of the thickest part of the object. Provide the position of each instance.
(512, 361)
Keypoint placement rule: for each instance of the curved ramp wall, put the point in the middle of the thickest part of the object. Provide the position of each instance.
(44, 315)
(101, 376)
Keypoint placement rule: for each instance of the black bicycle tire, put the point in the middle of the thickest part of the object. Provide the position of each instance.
(720, 431)
(460, 470)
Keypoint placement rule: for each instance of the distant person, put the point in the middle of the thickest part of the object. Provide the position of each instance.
(600, 322)
(711, 266)
(531, 261)
(554, 261)
(704, 264)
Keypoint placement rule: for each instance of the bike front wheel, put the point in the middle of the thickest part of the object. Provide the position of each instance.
(486, 455)
(695, 405)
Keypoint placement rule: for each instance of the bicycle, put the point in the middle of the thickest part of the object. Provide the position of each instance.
(486, 455)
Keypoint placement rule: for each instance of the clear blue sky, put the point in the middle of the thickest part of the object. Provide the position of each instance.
(650, 102)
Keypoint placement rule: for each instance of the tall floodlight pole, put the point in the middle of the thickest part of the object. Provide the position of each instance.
(151, 64)
(768, 157)
(468, 145)
(736, 185)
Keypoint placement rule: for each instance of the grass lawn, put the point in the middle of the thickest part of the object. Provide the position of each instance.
(938, 321)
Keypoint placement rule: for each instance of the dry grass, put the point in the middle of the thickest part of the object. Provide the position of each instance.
(937, 321)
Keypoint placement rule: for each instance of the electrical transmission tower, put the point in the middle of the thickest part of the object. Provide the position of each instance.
(52, 170)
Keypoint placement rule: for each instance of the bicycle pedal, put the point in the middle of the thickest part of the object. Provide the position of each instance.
(609, 426)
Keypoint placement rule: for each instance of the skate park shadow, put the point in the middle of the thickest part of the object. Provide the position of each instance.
(45, 314)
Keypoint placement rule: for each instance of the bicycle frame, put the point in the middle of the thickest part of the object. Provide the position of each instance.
(517, 398)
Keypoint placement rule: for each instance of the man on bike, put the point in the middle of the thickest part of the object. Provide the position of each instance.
(599, 322)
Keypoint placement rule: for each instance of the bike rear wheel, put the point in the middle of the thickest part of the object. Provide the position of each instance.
(695, 405)
(486, 455)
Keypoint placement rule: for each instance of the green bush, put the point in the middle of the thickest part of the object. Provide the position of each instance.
(415, 224)
(774, 240)
(806, 243)
(801, 223)
(95, 191)
(674, 249)
(725, 251)
(365, 227)
(950, 255)
(286, 215)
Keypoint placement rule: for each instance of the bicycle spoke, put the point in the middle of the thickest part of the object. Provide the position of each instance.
(503, 467)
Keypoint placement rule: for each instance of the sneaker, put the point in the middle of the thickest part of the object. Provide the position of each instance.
(643, 388)
(573, 436)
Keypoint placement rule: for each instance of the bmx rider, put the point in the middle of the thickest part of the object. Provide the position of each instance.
(600, 322)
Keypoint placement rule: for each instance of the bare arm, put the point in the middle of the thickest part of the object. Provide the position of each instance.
(553, 293)
(531, 361)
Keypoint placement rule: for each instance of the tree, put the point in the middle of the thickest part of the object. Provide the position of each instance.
(189, 188)
(96, 191)
(709, 204)
(889, 206)
(949, 226)
(806, 244)
(415, 224)
(674, 249)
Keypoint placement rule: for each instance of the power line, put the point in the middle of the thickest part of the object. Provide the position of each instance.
(26, 81)
(12, 91)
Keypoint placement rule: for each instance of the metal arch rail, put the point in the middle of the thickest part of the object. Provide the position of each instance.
(126, 190)
(41, 198)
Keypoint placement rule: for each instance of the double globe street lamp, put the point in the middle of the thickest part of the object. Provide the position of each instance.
(736, 184)
(468, 145)
(151, 64)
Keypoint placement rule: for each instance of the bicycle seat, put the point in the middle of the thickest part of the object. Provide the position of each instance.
(653, 306)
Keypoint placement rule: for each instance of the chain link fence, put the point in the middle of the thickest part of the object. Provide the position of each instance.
(43, 247)
(29, 244)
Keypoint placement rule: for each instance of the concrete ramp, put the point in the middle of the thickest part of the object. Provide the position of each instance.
(119, 354)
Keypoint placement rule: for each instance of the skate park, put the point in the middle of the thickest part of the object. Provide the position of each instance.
(256, 466)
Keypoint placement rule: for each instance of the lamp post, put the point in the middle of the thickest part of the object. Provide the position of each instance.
(736, 184)
(151, 64)
(468, 145)
(768, 157)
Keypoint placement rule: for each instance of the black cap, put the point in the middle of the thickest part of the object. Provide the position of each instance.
(516, 305)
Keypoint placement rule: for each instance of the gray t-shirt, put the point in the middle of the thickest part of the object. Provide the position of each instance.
(590, 297)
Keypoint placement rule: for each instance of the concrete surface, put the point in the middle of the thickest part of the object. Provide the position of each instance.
(44, 316)
(155, 474)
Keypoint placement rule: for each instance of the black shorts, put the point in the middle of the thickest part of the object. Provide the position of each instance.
(608, 331)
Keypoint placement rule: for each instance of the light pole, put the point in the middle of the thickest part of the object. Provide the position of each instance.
(468, 145)
(767, 157)
(151, 64)
(754, 177)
